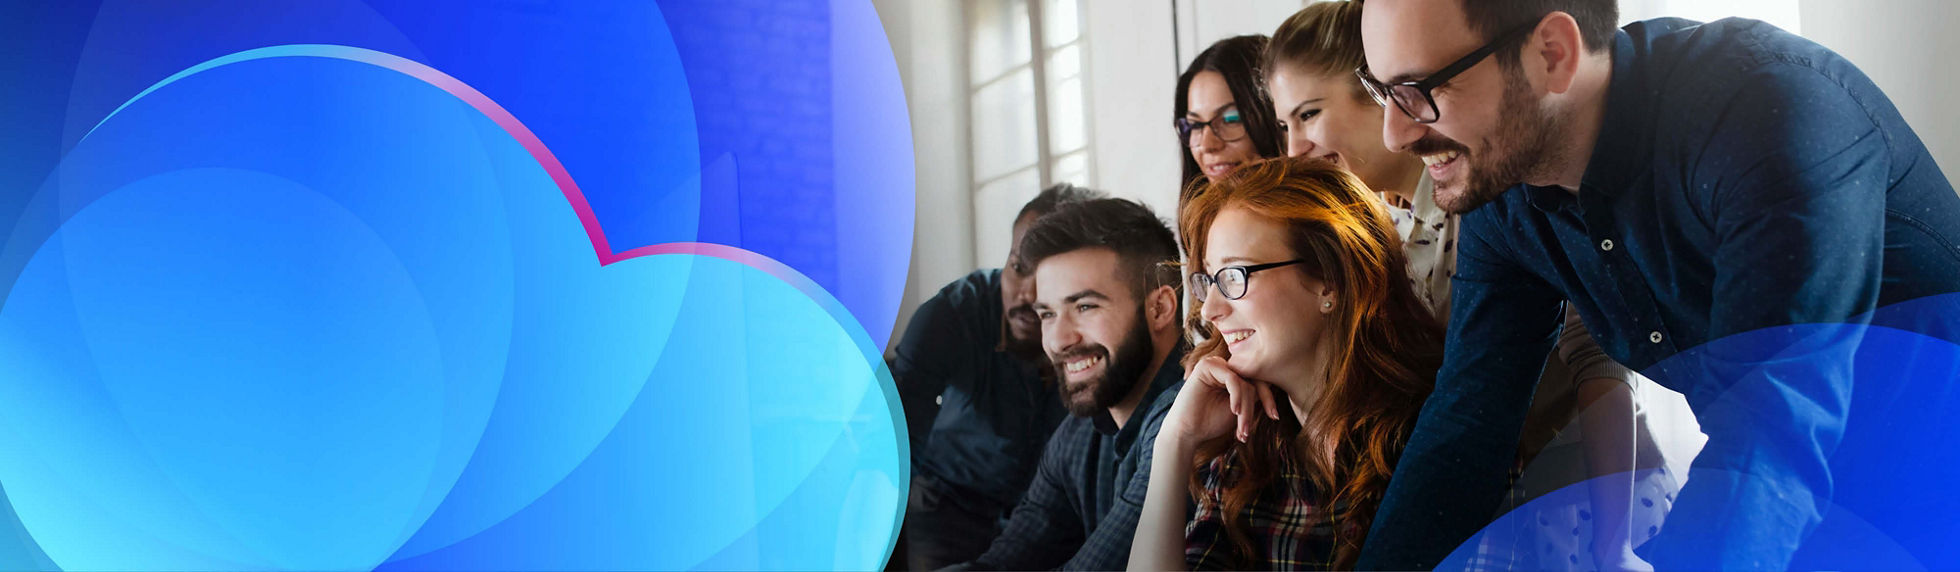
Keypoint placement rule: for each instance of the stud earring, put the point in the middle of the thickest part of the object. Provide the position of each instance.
(1327, 305)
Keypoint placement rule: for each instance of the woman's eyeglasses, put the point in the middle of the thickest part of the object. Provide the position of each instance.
(1228, 126)
(1231, 280)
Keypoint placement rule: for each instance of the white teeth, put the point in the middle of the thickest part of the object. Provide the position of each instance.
(1234, 337)
(1080, 365)
(1439, 158)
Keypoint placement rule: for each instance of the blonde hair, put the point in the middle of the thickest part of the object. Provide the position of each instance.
(1323, 38)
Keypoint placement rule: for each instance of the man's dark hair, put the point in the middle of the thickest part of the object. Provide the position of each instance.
(1143, 243)
(1053, 198)
(1598, 19)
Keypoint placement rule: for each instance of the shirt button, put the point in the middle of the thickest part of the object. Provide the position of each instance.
(1654, 337)
(941, 399)
(1606, 244)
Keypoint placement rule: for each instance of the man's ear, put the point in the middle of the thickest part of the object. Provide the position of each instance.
(1552, 53)
(1160, 308)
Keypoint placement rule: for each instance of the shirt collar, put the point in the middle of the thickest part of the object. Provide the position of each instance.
(1548, 199)
(1622, 146)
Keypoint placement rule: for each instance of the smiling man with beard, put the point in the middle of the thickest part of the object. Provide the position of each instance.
(971, 375)
(1107, 296)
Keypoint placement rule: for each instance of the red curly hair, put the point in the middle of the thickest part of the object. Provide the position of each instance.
(1387, 346)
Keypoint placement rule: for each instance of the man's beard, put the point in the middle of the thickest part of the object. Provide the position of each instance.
(1527, 140)
(1121, 372)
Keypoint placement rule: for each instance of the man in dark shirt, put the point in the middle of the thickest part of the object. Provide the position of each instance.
(970, 377)
(1685, 186)
(1107, 299)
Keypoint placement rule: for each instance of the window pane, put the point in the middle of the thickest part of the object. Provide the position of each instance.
(1073, 168)
(994, 207)
(1060, 22)
(1003, 126)
(1067, 130)
(998, 36)
(1065, 62)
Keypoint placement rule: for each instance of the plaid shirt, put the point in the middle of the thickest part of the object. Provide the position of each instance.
(1289, 530)
(1081, 511)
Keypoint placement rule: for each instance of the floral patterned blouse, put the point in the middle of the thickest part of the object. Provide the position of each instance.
(1429, 239)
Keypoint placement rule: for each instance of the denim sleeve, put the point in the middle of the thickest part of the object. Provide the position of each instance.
(1044, 529)
(936, 347)
(1451, 477)
(1798, 178)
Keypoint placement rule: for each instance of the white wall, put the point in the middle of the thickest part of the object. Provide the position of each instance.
(926, 38)
(1131, 74)
(1783, 13)
(1908, 48)
(1201, 22)
(1136, 50)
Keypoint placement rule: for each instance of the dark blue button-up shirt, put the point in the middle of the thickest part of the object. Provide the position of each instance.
(1744, 178)
(985, 435)
(1082, 509)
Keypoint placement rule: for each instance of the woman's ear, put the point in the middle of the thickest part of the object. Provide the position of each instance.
(1329, 298)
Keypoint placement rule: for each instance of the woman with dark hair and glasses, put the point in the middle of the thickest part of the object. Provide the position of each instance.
(1223, 120)
(1587, 421)
(1223, 117)
(1290, 419)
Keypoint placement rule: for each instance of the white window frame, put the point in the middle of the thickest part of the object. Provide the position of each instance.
(1046, 157)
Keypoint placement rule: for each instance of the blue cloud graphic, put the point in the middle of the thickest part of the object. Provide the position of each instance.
(312, 313)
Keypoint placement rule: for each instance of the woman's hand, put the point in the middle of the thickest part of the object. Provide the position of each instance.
(1216, 400)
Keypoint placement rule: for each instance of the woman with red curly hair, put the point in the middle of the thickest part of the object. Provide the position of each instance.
(1293, 415)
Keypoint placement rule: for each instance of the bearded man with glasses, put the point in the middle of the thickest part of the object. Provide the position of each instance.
(1732, 209)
